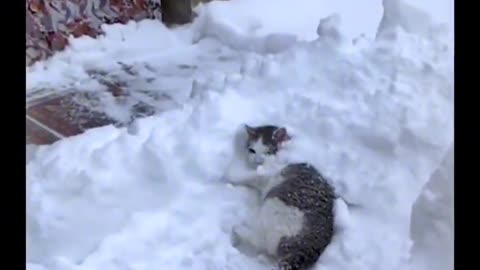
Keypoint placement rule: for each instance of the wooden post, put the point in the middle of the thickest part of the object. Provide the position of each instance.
(176, 11)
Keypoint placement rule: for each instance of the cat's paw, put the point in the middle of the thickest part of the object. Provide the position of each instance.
(226, 179)
(228, 182)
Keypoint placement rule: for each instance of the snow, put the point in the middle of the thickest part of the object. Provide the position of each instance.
(300, 17)
(375, 116)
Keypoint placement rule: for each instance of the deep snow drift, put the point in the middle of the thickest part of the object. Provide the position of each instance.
(374, 116)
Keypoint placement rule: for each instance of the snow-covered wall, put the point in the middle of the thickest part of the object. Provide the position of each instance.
(432, 227)
(432, 219)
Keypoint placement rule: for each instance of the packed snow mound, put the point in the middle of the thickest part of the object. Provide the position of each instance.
(375, 118)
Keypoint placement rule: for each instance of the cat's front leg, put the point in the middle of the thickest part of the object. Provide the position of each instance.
(249, 178)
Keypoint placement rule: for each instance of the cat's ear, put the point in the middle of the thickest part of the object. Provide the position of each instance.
(281, 135)
(251, 131)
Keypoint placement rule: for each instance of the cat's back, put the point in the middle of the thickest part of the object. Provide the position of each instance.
(303, 187)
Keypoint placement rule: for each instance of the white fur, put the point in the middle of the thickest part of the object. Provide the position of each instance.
(274, 219)
(260, 152)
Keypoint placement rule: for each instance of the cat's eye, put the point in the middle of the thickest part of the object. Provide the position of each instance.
(251, 150)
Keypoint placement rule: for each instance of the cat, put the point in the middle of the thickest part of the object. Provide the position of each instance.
(295, 218)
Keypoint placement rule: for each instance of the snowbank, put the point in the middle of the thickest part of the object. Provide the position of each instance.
(375, 118)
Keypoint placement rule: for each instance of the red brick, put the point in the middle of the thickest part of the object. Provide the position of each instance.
(38, 135)
(66, 117)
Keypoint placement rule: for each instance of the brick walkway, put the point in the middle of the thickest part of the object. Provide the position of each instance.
(58, 116)
(62, 115)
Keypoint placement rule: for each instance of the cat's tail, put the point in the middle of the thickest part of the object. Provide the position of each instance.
(296, 261)
(301, 252)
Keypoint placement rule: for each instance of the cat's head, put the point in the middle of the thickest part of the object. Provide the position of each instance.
(264, 142)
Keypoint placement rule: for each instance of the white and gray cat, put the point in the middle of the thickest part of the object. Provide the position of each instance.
(295, 220)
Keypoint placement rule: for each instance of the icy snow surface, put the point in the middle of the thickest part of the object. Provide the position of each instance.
(375, 116)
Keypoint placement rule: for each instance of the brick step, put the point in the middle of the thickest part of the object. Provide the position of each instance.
(58, 116)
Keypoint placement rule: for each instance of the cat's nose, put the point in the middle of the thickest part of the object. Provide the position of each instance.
(259, 159)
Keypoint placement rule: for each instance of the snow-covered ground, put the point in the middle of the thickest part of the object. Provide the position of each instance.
(375, 116)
